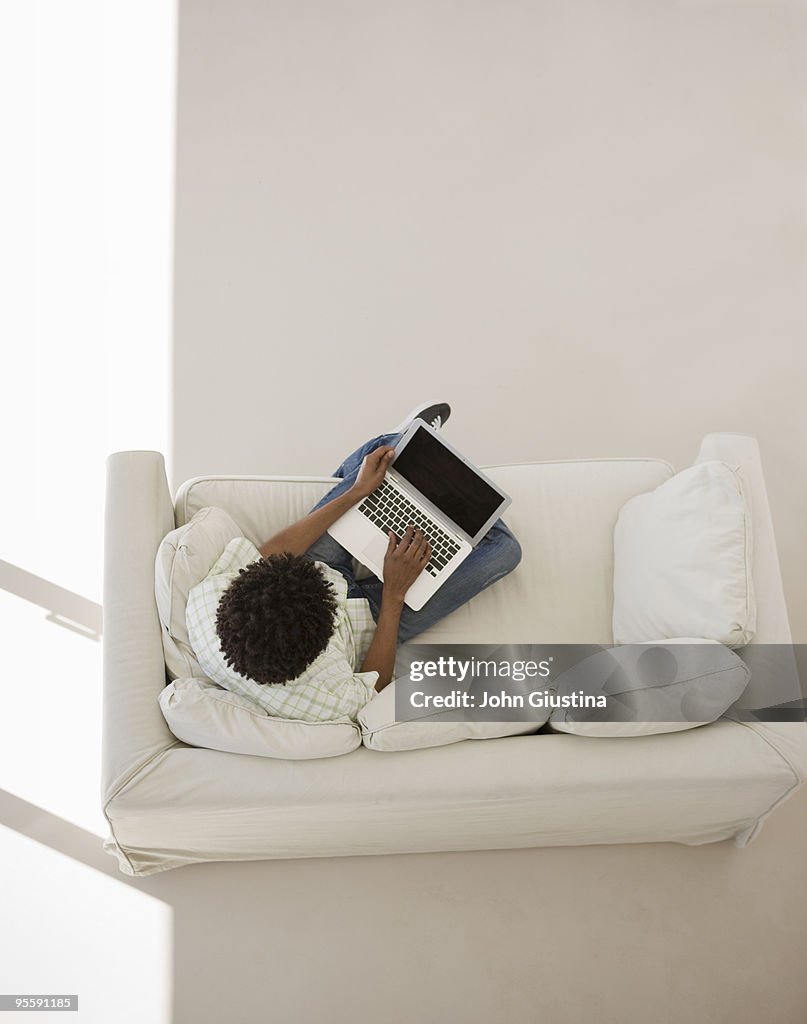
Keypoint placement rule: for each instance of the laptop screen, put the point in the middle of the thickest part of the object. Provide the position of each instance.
(447, 482)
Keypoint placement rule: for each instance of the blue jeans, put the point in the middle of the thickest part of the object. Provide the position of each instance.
(497, 554)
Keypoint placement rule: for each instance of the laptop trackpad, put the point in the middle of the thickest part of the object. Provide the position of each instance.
(373, 554)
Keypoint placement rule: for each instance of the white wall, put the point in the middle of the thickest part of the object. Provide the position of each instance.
(582, 223)
(85, 261)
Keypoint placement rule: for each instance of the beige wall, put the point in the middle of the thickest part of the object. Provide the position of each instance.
(582, 223)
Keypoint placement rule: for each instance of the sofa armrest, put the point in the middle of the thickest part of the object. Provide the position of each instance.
(741, 452)
(770, 655)
(138, 514)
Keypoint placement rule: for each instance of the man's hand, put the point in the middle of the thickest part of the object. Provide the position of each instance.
(372, 472)
(298, 538)
(404, 561)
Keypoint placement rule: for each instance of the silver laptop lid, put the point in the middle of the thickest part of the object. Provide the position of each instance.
(447, 482)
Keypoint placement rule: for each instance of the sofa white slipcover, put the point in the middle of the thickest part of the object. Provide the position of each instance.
(169, 804)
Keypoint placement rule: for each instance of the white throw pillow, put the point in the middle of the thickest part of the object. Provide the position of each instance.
(185, 556)
(380, 731)
(651, 688)
(682, 561)
(204, 715)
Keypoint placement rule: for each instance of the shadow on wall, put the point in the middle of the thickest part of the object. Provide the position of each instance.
(72, 611)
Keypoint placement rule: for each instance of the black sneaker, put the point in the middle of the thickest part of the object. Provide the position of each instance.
(434, 413)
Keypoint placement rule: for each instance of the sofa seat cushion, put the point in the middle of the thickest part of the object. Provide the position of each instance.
(693, 787)
(563, 513)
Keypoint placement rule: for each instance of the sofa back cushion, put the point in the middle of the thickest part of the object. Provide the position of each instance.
(204, 715)
(675, 684)
(185, 556)
(683, 561)
(381, 729)
(563, 513)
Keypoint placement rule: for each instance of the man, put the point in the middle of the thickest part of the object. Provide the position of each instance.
(290, 627)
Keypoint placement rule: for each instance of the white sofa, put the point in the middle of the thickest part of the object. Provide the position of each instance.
(169, 804)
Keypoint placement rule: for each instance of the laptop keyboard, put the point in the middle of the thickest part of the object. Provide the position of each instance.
(390, 509)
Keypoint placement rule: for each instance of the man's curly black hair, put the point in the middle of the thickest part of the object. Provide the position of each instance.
(275, 618)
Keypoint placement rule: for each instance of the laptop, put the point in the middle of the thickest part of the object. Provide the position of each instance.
(431, 486)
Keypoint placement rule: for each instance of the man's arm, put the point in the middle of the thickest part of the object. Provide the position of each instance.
(403, 563)
(298, 538)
